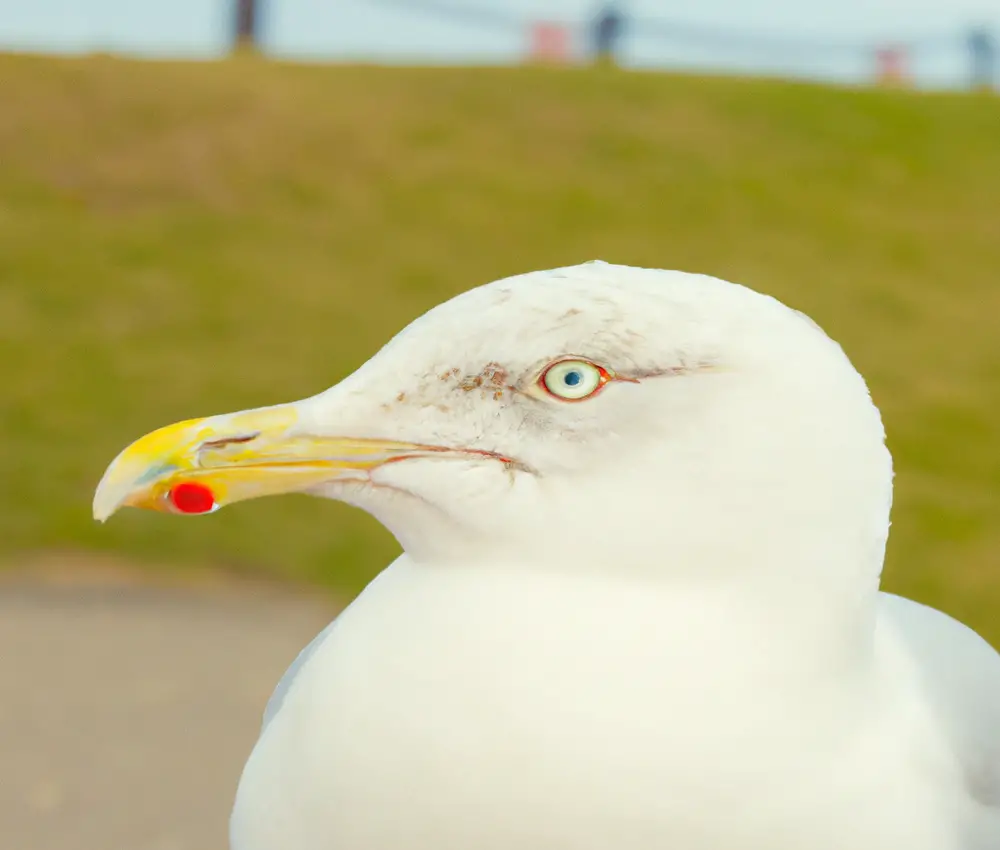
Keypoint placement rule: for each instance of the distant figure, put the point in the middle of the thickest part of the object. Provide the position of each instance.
(984, 50)
(607, 31)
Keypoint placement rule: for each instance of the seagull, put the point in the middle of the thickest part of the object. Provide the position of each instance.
(643, 516)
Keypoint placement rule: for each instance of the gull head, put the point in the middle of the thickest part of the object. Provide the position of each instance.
(597, 416)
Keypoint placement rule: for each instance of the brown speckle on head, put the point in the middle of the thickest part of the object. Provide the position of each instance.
(492, 380)
(495, 374)
(401, 397)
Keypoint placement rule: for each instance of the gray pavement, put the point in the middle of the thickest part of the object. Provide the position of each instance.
(127, 709)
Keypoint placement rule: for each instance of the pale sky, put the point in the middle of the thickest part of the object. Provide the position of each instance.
(828, 40)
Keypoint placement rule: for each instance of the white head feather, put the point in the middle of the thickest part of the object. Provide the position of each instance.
(738, 418)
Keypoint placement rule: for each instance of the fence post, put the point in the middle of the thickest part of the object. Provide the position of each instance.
(246, 21)
(983, 52)
(606, 34)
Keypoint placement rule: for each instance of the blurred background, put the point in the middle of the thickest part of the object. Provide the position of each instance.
(207, 205)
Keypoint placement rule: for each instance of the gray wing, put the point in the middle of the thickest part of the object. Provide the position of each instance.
(961, 678)
(286, 681)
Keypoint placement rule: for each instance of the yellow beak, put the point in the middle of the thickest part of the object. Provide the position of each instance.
(200, 465)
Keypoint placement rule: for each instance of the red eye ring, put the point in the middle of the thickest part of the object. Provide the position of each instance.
(573, 379)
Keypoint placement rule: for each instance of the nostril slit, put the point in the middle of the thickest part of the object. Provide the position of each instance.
(222, 442)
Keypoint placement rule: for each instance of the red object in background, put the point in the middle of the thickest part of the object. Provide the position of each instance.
(550, 42)
(891, 65)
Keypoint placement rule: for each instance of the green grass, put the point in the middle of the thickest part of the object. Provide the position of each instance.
(183, 239)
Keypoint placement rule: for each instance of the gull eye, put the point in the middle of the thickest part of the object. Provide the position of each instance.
(573, 380)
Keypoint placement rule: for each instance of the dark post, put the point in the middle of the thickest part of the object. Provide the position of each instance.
(984, 50)
(246, 24)
(607, 31)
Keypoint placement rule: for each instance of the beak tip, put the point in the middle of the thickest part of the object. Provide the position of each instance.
(103, 508)
(103, 514)
(109, 495)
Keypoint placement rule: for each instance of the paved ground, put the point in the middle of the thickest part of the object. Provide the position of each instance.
(128, 710)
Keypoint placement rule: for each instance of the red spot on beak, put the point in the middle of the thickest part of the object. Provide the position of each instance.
(191, 498)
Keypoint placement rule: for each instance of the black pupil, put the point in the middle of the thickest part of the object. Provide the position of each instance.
(573, 378)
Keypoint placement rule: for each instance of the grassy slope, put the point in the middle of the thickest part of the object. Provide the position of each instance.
(182, 239)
